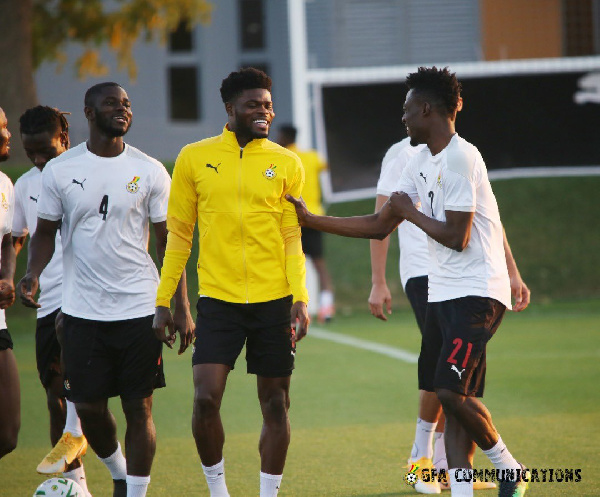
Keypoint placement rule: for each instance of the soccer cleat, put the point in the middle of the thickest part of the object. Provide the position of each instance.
(432, 486)
(325, 314)
(515, 488)
(67, 449)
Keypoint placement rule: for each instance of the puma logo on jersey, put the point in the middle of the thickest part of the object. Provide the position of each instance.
(80, 183)
(424, 177)
(34, 198)
(216, 168)
(459, 373)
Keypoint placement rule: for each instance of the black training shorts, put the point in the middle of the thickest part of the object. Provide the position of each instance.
(111, 358)
(417, 289)
(47, 348)
(312, 243)
(222, 329)
(453, 345)
(5, 340)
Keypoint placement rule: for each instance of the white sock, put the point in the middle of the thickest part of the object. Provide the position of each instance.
(215, 478)
(501, 458)
(137, 485)
(73, 424)
(269, 484)
(464, 486)
(326, 299)
(423, 446)
(78, 475)
(439, 451)
(116, 464)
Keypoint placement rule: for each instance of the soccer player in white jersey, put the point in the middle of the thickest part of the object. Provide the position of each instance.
(106, 193)
(469, 286)
(10, 394)
(414, 261)
(45, 135)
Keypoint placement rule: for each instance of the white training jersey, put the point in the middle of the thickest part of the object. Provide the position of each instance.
(7, 206)
(414, 254)
(105, 204)
(27, 192)
(456, 180)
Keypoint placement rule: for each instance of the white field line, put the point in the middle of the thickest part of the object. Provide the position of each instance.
(378, 348)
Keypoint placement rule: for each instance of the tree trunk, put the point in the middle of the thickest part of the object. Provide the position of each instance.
(17, 84)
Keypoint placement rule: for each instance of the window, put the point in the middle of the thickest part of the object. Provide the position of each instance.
(183, 93)
(181, 39)
(579, 21)
(252, 26)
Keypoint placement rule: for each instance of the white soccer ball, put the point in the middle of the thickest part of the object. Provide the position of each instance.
(57, 487)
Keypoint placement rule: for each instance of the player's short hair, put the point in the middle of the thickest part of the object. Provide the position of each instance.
(439, 85)
(41, 119)
(248, 78)
(289, 131)
(94, 91)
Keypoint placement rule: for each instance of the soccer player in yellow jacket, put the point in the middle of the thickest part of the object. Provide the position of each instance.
(312, 240)
(251, 271)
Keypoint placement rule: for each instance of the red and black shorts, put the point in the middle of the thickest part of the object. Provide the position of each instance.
(454, 342)
(223, 328)
(111, 358)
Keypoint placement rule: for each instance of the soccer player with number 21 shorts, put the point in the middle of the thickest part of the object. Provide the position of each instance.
(106, 193)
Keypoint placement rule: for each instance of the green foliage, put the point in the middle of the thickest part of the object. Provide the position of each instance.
(91, 23)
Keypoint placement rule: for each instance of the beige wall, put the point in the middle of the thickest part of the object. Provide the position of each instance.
(517, 29)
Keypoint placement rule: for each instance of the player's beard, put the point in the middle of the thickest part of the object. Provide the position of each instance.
(106, 128)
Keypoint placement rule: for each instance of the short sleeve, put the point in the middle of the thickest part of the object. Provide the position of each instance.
(49, 203)
(19, 224)
(407, 185)
(159, 196)
(459, 192)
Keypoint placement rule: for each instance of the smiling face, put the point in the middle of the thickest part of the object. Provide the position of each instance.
(42, 147)
(111, 113)
(4, 137)
(250, 115)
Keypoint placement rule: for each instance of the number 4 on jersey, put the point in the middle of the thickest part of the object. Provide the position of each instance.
(104, 207)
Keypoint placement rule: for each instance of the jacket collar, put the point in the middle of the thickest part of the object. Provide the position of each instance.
(229, 138)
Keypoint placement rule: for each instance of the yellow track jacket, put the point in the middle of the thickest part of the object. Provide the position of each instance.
(249, 236)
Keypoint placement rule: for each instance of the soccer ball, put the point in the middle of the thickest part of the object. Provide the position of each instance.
(57, 487)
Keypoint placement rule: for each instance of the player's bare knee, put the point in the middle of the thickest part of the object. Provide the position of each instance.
(137, 410)
(205, 403)
(450, 400)
(275, 406)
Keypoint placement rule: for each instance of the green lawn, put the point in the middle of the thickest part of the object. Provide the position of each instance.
(353, 411)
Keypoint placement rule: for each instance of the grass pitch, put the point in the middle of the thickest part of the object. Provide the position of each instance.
(353, 411)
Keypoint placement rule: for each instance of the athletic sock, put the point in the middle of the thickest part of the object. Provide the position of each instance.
(463, 485)
(326, 298)
(215, 478)
(116, 464)
(73, 424)
(423, 440)
(269, 484)
(78, 476)
(137, 486)
(502, 459)
(439, 451)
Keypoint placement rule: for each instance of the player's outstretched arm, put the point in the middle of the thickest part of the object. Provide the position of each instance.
(518, 288)
(378, 225)
(41, 250)
(182, 320)
(7, 272)
(380, 293)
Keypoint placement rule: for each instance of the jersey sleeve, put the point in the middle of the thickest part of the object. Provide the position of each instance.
(49, 203)
(406, 184)
(19, 224)
(459, 189)
(181, 219)
(295, 262)
(159, 196)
